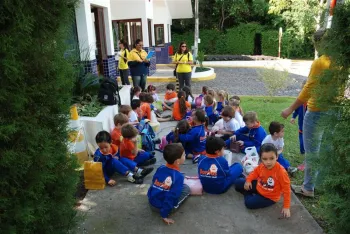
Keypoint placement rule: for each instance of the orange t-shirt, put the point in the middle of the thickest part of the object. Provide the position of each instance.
(170, 96)
(146, 110)
(116, 137)
(126, 148)
(272, 183)
(176, 110)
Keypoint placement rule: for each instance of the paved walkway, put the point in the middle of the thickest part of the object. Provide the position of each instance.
(124, 209)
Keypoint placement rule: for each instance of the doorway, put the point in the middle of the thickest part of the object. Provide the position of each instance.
(257, 44)
(100, 36)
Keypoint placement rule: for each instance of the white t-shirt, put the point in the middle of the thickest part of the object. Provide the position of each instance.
(239, 119)
(135, 97)
(231, 125)
(279, 143)
(155, 97)
(133, 116)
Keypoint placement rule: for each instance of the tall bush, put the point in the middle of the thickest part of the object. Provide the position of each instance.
(334, 161)
(37, 176)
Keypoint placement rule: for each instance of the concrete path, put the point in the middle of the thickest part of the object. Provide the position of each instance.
(124, 209)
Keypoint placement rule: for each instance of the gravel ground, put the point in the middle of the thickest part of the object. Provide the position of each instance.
(242, 81)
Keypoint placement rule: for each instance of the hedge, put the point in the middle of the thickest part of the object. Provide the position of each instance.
(240, 40)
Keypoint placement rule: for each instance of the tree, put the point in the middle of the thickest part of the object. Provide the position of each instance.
(37, 174)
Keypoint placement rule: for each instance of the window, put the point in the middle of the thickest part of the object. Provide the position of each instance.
(128, 30)
(159, 34)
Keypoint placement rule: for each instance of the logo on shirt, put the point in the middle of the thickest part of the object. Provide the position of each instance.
(165, 186)
(212, 172)
(269, 184)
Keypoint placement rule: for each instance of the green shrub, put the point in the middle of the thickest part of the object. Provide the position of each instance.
(269, 44)
(334, 160)
(37, 175)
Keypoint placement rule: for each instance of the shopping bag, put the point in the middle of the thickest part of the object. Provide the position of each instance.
(93, 175)
(251, 159)
(195, 185)
(235, 147)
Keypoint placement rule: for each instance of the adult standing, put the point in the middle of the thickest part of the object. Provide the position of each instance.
(138, 64)
(312, 129)
(183, 60)
(123, 62)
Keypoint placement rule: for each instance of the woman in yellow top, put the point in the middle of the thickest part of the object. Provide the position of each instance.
(312, 129)
(138, 64)
(123, 62)
(183, 60)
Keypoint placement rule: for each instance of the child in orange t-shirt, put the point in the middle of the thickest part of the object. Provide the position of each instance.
(170, 97)
(181, 106)
(119, 121)
(128, 148)
(264, 186)
(146, 101)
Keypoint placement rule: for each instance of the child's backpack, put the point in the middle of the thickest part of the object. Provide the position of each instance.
(198, 101)
(147, 136)
(108, 93)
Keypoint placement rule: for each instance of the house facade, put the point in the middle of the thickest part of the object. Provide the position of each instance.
(101, 24)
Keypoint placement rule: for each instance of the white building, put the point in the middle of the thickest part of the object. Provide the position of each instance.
(102, 23)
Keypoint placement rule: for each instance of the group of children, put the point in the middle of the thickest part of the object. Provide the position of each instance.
(207, 126)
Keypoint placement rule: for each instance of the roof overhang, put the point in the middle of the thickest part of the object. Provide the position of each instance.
(180, 9)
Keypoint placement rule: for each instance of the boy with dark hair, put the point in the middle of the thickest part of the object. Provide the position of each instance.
(119, 121)
(276, 130)
(214, 172)
(128, 147)
(136, 111)
(194, 139)
(168, 190)
(170, 97)
(107, 155)
(230, 124)
(251, 135)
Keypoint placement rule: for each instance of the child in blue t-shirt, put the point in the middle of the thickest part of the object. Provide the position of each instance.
(194, 139)
(168, 190)
(251, 135)
(214, 172)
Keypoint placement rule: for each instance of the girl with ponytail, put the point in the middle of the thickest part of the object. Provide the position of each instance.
(181, 106)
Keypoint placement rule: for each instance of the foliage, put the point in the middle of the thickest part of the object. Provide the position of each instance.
(87, 83)
(37, 176)
(274, 80)
(202, 69)
(90, 106)
(335, 170)
(200, 58)
(237, 40)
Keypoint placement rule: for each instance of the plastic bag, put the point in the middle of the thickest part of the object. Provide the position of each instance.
(93, 175)
(228, 156)
(195, 185)
(251, 159)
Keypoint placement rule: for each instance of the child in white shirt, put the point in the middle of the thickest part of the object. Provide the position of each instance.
(134, 116)
(276, 130)
(238, 111)
(230, 124)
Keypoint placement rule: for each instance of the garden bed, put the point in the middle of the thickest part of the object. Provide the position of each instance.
(238, 58)
(202, 69)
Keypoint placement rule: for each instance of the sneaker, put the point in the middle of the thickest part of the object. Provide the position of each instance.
(148, 162)
(145, 172)
(292, 170)
(300, 190)
(195, 159)
(156, 141)
(135, 179)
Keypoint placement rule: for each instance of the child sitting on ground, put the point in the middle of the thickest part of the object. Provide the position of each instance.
(230, 124)
(189, 95)
(136, 111)
(181, 109)
(276, 130)
(182, 127)
(135, 92)
(214, 172)
(210, 109)
(146, 101)
(194, 139)
(125, 109)
(170, 97)
(264, 186)
(153, 91)
(168, 190)
(119, 120)
(222, 101)
(128, 148)
(199, 101)
(107, 155)
(251, 135)
(235, 103)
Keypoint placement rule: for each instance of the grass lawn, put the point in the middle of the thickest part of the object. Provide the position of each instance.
(268, 110)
